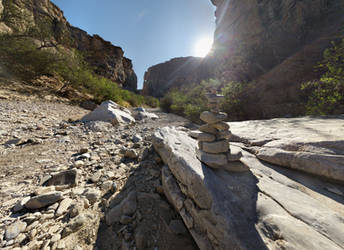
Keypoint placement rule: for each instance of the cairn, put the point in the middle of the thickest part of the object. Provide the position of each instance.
(213, 143)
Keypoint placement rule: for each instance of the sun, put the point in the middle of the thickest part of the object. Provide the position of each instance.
(203, 46)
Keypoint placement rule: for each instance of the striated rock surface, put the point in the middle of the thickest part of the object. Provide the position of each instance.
(42, 17)
(269, 207)
(311, 144)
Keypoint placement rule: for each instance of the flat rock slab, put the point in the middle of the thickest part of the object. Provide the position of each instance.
(44, 200)
(311, 144)
(269, 207)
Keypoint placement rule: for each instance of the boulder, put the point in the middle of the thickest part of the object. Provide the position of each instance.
(110, 111)
(268, 207)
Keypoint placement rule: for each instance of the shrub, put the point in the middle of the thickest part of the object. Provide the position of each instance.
(28, 61)
(234, 99)
(191, 102)
(326, 96)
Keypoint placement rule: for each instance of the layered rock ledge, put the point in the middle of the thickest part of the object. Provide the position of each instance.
(270, 207)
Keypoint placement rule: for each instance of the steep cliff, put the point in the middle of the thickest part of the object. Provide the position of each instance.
(174, 73)
(45, 22)
(273, 44)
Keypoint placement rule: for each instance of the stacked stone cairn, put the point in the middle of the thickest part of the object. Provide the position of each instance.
(213, 141)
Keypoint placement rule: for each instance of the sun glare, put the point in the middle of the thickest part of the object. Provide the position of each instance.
(203, 47)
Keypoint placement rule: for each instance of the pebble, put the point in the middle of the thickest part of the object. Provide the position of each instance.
(15, 229)
(64, 205)
(137, 138)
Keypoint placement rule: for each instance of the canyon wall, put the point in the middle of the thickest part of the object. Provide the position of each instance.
(46, 23)
(172, 74)
(274, 44)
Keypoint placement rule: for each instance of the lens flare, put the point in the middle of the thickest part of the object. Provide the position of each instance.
(203, 46)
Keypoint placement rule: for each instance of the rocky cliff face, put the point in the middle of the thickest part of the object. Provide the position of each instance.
(274, 44)
(174, 73)
(19, 17)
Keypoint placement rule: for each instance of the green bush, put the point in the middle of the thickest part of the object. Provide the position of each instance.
(191, 102)
(326, 96)
(28, 61)
(234, 99)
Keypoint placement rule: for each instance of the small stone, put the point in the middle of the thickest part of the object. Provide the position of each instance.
(178, 227)
(205, 137)
(131, 153)
(208, 129)
(44, 190)
(61, 245)
(43, 200)
(211, 117)
(79, 163)
(74, 225)
(20, 238)
(55, 238)
(215, 147)
(96, 176)
(222, 126)
(212, 160)
(68, 177)
(83, 150)
(85, 156)
(92, 195)
(136, 138)
(224, 135)
(33, 233)
(15, 229)
(64, 205)
(53, 207)
(106, 186)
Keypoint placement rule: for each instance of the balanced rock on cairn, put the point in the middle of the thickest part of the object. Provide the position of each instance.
(213, 143)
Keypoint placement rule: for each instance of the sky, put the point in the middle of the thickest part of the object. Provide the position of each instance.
(149, 31)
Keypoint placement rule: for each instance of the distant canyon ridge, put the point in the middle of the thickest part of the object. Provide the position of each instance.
(274, 44)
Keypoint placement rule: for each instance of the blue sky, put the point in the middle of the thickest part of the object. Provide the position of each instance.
(149, 31)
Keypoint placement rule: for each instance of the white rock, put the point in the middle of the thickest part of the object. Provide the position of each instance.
(109, 111)
(15, 229)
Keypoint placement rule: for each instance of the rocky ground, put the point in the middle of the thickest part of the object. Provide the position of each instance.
(86, 185)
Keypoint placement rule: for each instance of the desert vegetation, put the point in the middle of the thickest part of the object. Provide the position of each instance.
(29, 58)
(191, 101)
(326, 95)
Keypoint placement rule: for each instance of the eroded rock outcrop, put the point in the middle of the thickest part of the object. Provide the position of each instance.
(173, 74)
(267, 208)
(41, 16)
